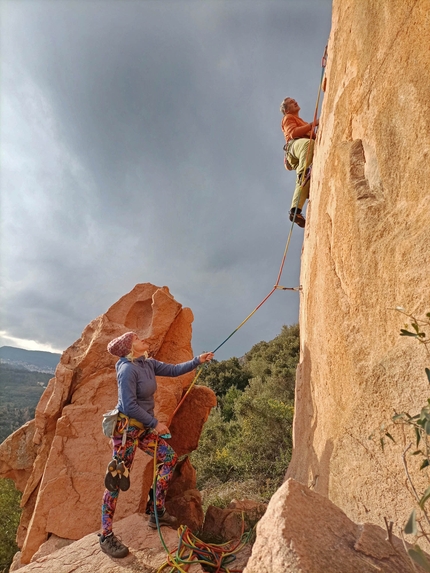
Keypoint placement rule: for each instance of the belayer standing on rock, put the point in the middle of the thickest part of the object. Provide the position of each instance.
(136, 427)
(299, 150)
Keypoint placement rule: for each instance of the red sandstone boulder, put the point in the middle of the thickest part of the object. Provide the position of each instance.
(187, 507)
(227, 524)
(147, 553)
(304, 532)
(17, 455)
(85, 556)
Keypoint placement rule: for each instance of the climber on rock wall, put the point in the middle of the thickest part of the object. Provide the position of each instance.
(136, 427)
(299, 149)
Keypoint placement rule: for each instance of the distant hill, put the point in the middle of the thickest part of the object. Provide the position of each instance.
(24, 375)
(33, 360)
(20, 391)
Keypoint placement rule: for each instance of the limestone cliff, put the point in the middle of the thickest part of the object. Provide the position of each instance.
(366, 250)
(59, 459)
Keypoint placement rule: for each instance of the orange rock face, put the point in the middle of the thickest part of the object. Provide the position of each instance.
(59, 460)
(366, 251)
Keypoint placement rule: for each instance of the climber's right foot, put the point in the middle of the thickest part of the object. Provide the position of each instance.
(112, 546)
(298, 219)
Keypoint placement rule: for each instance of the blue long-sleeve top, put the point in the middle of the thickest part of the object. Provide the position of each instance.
(137, 385)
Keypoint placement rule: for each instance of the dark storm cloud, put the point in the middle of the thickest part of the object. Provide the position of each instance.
(142, 143)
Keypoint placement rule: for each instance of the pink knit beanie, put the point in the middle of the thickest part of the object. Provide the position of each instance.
(121, 346)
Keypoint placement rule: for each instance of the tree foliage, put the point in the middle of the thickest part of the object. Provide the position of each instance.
(20, 391)
(10, 513)
(13, 418)
(249, 434)
(277, 358)
(221, 376)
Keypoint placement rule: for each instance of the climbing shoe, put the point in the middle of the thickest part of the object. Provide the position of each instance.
(123, 476)
(112, 476)
(163, 519)
(112, 545)
(299, 219)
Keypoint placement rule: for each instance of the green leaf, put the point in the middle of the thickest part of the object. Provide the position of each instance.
(397, 417)
(390, 436)
(418, 555)
(428, 314)
(381, 441)
(425, 497)
(415, 326)
(417, 452)
(427, 427)
(424, 464)
(404, 332)
(428, 374)
(418, 434)
(411, 526)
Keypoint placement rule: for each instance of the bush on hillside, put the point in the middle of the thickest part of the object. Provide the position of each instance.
(264, 413)
(277, 358)
(256, 443)
(221, 376)
(20, 391)
(13, 418)
(249, 434)
(10, 514)
(227, 402)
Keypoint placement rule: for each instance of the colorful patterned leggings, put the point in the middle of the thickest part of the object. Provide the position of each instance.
(146, 442)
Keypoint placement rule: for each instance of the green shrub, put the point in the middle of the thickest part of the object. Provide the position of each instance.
(262, 447)
(249, 435)
(227, 403)
(277, 358)
(212, 459)
(256, 443)
(221, 376)
(10, 514)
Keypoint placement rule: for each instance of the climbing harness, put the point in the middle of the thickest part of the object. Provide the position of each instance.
(190, 549)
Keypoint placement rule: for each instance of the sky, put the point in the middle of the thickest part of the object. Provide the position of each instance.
(140, 141)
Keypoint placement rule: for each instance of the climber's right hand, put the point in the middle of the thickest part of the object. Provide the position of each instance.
(161, 428)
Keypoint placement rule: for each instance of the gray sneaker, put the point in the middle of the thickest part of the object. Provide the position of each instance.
(112, 546)
(165, 519)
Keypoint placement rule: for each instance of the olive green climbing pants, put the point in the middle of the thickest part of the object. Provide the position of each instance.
(300, 160)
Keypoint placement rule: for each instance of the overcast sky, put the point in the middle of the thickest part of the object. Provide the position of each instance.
(141, 142)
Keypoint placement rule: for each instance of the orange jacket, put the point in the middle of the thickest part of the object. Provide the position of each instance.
(289, 124)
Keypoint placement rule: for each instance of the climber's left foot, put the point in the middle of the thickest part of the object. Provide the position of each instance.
(164, 519)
